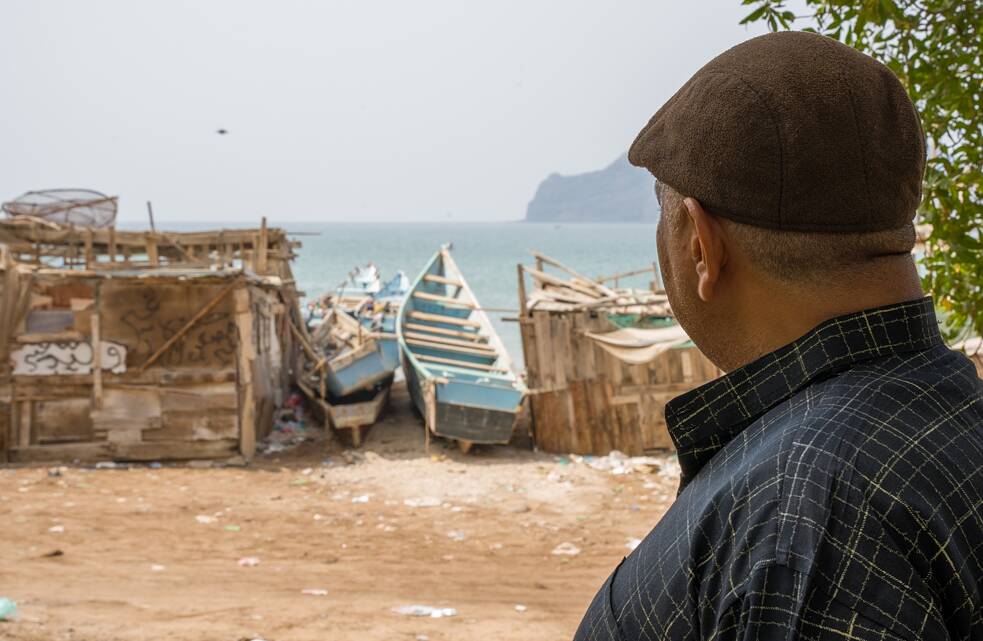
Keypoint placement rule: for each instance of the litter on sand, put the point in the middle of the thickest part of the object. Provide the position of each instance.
(56, 529)
(425, 501)
(314, 592)
(618, 463)
(425, 611)
(633, 543)
(8, 609)
(566, 549)
(249, 561)
(205, 519)
(520, 608)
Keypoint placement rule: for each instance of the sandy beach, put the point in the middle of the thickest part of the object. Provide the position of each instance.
(182, 552)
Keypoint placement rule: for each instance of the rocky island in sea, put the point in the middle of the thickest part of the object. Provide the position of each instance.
(618, 193)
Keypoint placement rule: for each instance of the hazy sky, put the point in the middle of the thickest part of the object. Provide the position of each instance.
(336, 110)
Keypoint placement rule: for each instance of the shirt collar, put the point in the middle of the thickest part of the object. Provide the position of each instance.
(705, 419)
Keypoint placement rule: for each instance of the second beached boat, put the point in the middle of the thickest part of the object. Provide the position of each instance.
(457, 369)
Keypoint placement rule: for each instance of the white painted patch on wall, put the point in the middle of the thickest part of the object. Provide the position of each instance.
(66, 357)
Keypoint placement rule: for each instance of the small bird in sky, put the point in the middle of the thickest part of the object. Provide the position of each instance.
(222, 132)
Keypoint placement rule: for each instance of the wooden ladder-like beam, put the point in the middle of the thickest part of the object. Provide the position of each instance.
(443, 280)
(443, 300)
(461, 364)
(443, 318)
(471, 336)
(455, 350)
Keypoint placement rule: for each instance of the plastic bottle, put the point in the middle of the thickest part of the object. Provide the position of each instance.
(8, 609)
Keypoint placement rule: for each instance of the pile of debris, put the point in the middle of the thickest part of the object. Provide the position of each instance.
(580, 293)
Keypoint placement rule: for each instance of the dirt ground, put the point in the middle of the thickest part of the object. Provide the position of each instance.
(154, 553)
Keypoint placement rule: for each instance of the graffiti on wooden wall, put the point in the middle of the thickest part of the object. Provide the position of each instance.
(146, 317)
(66, 357)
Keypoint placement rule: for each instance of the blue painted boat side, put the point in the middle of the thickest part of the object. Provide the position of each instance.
(366, 371)
(479, 394)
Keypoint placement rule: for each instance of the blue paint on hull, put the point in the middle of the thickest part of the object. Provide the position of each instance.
(370, 369)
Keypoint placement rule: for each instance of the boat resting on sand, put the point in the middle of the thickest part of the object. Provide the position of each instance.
(356, 359)
(457, 370)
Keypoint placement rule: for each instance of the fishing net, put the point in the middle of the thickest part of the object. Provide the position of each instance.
(79, 207)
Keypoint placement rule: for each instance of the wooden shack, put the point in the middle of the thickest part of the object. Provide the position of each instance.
(141, 345)
(585, 399)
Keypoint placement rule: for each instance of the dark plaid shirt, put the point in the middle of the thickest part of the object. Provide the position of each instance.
(832, 489)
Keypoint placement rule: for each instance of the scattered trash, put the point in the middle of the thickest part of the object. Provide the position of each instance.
(633, 543)
(107, 465)
(318, 517)
(290, 428)
(249, 561)
(156, 567)
(426, 501)
(520, 608)
(232, 528)
(54, 472)
(8, 610)
(155, 465)
(422, 637)
(361, 499)
(566, 549)
(56, 529)
(205, 519)
(53, 554)
(456, 535)
(314, 592)
(307, 471)
(618, 463)
(425, 611)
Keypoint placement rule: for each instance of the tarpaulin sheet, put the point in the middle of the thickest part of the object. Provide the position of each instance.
(639, 346)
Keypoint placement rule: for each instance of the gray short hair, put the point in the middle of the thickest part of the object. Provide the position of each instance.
(800, 257)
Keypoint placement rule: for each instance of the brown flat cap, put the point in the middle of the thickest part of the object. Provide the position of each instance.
(791, 131)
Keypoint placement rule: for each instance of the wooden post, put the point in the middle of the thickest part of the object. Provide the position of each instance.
(112, 244)
(262, 251)
(150, 212)
(151, 242)
(97, 351)
(89, 253)
(523, 308)
(246, 356)
(25, 424)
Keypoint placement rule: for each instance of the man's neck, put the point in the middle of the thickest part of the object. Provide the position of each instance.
(774, 316)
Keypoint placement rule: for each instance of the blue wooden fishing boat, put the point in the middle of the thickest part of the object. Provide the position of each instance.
(457, 369)
(355, 358)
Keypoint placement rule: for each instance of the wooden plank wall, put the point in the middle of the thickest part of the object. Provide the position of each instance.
(187, 405)
(586, 401)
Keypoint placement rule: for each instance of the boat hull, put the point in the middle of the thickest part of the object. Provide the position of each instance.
(463, 410)
(371, 364)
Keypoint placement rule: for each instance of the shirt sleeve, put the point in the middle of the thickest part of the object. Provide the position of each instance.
(780, 603)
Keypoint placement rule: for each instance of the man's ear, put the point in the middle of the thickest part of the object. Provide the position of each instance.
(706, 248)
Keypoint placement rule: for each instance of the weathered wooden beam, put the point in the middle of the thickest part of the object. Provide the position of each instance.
(441, 318)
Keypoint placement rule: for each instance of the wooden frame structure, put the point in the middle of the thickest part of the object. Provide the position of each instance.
(141, 345)
(583, 399)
